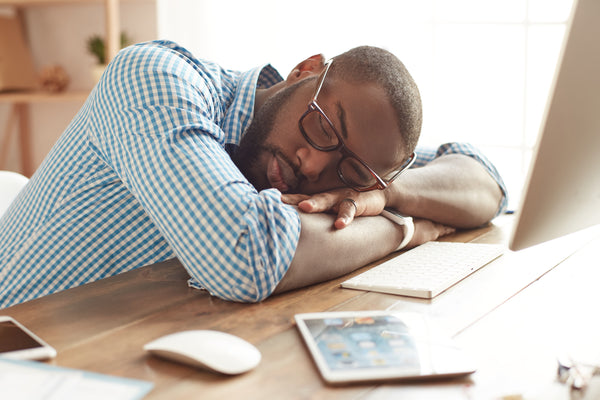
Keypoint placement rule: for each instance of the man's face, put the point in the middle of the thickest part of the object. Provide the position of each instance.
(274, 154)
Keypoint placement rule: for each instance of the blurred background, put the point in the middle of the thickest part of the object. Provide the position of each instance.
(484, 67)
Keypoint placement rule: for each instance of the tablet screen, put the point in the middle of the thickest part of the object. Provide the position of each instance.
(363, 342)
(378, 345)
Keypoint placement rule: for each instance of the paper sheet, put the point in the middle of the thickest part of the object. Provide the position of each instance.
(29, 380)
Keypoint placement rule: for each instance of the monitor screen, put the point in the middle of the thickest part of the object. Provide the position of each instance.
(562, 191)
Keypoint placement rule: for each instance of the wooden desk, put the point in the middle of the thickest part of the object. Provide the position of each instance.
(512, 316)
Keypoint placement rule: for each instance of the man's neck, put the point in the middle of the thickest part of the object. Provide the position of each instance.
(263, 94)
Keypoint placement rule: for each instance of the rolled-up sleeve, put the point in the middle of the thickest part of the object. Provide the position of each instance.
(427, 154)
(160, 134)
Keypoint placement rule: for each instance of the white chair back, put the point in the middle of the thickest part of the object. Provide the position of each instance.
(11, 184)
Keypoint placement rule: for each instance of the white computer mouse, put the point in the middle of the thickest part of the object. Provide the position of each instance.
(212, 350)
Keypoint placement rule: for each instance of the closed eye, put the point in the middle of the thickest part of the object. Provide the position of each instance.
(361, 172)
(325, 128)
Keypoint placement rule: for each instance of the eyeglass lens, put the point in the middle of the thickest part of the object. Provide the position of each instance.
(318, 131)
(355, 174)
(321, 135)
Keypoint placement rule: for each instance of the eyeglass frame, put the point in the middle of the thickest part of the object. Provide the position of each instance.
(313, 106)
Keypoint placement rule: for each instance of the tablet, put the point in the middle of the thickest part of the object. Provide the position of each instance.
(360, 346)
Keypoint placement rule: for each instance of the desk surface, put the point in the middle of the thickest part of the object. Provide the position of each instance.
(512, 316)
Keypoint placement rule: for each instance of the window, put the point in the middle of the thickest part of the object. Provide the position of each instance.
(484, 67)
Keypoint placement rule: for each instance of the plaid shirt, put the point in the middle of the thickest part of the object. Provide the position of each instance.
(141, 175)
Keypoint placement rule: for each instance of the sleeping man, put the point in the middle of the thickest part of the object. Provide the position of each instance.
(257, 184)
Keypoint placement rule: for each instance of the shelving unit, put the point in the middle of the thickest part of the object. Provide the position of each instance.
(20, 101)
(111, 8)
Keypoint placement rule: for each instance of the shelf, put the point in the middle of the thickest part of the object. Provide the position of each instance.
(44, 97)
(42, 2)
(23, 3)
(21, 100)
(111, 8)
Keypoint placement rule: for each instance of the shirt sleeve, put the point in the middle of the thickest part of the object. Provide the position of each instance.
(157, 113)
(427, 154)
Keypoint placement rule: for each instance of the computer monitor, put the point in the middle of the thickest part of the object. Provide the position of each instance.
(562, 190)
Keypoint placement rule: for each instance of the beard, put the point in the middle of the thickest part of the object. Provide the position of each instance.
(253, 143)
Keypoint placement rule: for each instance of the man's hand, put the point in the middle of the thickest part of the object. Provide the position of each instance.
(454, 190)
(346, 203)
(427, 231)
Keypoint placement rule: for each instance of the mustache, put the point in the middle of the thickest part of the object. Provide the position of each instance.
(299, 176)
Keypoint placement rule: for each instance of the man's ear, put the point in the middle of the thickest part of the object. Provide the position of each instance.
(311, 66)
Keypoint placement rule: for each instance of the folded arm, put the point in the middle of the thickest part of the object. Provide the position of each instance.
(455, 186)
(449, 190)
(454, 190)
(325, 253)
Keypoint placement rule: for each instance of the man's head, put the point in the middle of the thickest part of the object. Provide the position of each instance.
(369, 100)
(365, 64)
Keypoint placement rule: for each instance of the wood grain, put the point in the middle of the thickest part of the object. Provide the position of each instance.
(103, 326)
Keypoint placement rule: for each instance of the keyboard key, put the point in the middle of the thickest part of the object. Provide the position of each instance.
(426, 270)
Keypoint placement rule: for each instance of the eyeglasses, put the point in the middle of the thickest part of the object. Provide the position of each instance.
(319, 132)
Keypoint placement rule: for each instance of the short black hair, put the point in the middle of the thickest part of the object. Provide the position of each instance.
(368, 64)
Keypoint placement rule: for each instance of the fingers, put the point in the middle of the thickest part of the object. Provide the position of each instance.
(447, 230)
(320, 202)
(426, 231)
(442, 230)
(347, 210)
(346, 203)
(293, 199)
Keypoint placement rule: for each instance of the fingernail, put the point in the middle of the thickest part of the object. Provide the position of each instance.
(309, 203)
(305, 206)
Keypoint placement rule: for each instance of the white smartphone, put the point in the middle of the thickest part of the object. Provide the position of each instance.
(379, 345)
(19, 343)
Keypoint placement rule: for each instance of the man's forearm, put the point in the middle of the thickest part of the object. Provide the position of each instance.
(453, 190)
(325, 253)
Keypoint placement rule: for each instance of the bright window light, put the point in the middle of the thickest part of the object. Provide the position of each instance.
(484, 67)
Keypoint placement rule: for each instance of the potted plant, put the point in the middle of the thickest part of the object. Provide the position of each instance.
(96, 47)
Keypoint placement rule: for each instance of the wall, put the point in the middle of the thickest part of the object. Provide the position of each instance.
(484, 67)
(57, 34)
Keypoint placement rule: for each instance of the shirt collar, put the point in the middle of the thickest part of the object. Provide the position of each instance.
(239, 114)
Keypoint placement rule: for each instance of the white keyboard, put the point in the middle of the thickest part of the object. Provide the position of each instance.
(426, 270)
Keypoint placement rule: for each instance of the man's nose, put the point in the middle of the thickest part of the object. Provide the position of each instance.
(315, 163)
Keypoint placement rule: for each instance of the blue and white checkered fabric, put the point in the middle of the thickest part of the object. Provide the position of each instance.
(141, 175)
